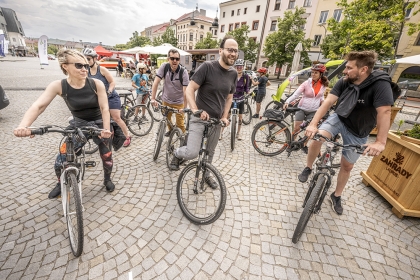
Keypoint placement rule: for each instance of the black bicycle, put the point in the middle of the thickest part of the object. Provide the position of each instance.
(140, 124)
(321, 182)
(72, 174)
(200, 203)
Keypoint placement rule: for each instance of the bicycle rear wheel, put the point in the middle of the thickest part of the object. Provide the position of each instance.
(74, 214)
(309, 208)
(91, 147)
(247, 116)
(206, 204)
(270, 138)
(175, 140)
(233, 132)
(139, 126)
(159, 140)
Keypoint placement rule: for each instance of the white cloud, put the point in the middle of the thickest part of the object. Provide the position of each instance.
(108, 21)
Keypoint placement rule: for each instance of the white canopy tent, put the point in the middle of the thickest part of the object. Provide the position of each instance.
(415, 59)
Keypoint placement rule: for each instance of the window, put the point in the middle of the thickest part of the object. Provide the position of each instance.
(291, 4)
(187, 59)
(201, 38)
(273, 25)
(215, 32)
(253, 38)
(190, 47)
(337, 14)
(232, 13)
(255, 25)
(258, 9)
(238, 12)
(191, 36)
(245, 9)
(407, 11)
(231, 27)
(307, 3)
(237, 25)
(323, 17)
(224, 14)
(277, 5)
(184, 39)
(417, 41)
(222, 28)
(202, 26)
(317, 40)
(243, 23)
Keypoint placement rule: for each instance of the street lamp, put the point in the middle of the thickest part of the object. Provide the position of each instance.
(325, 35)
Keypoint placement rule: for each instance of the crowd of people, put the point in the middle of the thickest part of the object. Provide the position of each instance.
(363, 100)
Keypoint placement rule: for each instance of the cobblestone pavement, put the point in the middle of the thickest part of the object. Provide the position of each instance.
(139, 228)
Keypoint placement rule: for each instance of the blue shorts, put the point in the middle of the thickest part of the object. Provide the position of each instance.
(333, 125)
(114, 101)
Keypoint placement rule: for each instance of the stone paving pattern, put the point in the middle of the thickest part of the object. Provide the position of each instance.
(140, 228)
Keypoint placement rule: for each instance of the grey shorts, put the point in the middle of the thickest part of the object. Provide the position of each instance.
(333, 125)
(302, 115)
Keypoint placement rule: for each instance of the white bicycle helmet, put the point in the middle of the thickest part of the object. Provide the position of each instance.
(89, 52)
(239, 62)
(141, 66)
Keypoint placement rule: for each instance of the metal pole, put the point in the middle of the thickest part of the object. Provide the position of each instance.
(262, 32)
(325, 35)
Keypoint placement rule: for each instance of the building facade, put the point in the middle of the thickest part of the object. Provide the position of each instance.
(13, 31)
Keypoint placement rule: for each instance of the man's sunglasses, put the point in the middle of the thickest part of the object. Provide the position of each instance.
(80, 65)
(174, 58)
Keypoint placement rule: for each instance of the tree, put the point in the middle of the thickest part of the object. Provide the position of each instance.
(53, 49)
(138, 41)
(246, 44)
(369, 25)
(280, 45)
(169, 37)
(121, 47)
(157, 41)
(207, 43)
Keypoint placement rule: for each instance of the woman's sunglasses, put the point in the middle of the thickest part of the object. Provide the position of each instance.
(80, 65)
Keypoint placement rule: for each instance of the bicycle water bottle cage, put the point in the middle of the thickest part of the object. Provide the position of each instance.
(273, 114)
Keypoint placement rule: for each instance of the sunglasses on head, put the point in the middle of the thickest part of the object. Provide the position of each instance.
(80, 65)
(174, 58)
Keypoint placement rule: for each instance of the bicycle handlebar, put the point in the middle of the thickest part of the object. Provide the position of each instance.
(93, 131)
(214, 121)
(359, 149)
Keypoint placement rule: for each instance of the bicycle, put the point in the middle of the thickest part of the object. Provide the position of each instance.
(139, 126)
(234, 117)
(71, 178)
(199, 205)
(320, 182)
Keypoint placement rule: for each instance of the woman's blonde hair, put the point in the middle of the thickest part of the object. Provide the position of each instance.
(63, 57)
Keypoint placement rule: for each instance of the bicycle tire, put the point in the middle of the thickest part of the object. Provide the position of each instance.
(233, 132)
(272, 105)
(90, 147)
(200, 202)
(247, 116)
(156, 113)
(81, 160)
(175, 140)
(139, 127)
(309, 208)
(159, 139)
(74, 215)
(277, 143)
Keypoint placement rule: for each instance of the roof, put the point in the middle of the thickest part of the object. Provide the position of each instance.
(162, 28)
(196, 16)
(13, 24)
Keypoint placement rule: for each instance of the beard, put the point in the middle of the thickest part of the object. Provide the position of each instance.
(351, 80)
(225, 59)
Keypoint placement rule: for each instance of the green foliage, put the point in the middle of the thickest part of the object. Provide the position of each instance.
(414, 132)
(207, 43)
(368, 25)
(138, 41)
(120, 47)
(169, 37)
(246, 44)
(157, 41)
(53, 49)
(280, 45)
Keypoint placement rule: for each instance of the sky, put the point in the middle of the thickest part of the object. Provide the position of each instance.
(108, 21)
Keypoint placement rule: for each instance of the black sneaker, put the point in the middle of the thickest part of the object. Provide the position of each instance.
(109, 185)
(256, 116)
(211, 182)
(55, 192)
(168, 133)
(174, 165)
(303, 177)
(336, 203)
(305, 150)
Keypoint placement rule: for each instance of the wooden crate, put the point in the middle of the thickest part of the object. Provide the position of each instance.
(395, 174)
(394, 112)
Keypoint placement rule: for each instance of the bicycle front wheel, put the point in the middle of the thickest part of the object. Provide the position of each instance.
(233, 132)
(270, 138)
(309, 208)
(91, 147)
(175, 140)
(74, 214)
(159, 140)
(201, 205)
(247, 116)
(139, 125)
(156, 113)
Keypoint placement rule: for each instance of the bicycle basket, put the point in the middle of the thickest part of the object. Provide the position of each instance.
(273, 114)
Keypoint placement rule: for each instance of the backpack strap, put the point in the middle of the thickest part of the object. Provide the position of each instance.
(165, 70)
(181, 73)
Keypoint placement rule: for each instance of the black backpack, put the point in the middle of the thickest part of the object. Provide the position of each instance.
(396, 90)
(181, 72)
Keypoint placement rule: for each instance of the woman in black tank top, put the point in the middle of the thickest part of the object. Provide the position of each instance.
(87, 102)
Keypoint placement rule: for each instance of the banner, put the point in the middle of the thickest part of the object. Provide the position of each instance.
(43, 50)
(2, 45)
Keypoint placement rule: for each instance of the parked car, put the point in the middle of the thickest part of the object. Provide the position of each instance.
(251, 74)
(4, 101)
(112, 62)
(51, 57)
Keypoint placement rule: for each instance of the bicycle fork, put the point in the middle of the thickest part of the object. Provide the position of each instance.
(200, 166)
(63, 181)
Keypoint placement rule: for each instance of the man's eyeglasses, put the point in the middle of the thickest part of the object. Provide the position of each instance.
(80, 65)
(174, 58)
(230, 50)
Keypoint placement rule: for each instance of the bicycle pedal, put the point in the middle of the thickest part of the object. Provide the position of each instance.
(90, 163)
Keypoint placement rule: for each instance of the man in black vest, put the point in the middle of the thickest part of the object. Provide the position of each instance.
(364, 99)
